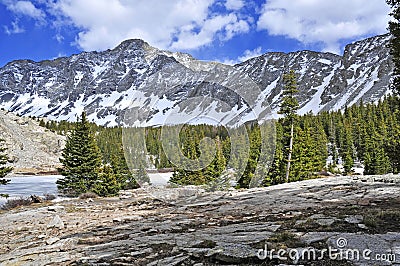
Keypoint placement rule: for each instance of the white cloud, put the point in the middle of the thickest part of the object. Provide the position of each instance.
(325, 22)
(234, 4)
(25, 8)
(245, 56)
(250, 54)
(227, 25)
(172, 24)
(235, 28)
(15, 28)
(59, 38)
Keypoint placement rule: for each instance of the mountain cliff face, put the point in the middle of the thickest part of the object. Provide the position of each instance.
(160, 85)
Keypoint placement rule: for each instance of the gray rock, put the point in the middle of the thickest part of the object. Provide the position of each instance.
(323, 220)
(362, 226)
(232, 253)
(175, 260)
(41, 147)
(131, 218)
(56, 208)
(300, 222)
(354, 219)
(52, 240)
(56, 223)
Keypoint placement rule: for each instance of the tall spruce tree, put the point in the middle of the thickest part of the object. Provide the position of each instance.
(394, 28)
(288, 108)
(81, 160)
(4, 170)
(249, 173)
(276, 172)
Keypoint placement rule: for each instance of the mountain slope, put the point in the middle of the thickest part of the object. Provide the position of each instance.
(30, 145)
(162, 86)
(328, 81)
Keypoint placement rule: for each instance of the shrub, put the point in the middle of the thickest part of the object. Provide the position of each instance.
(88, 195)
(14, 203)
(48, 197)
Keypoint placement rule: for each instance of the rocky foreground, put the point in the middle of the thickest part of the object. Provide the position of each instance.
(343, 220)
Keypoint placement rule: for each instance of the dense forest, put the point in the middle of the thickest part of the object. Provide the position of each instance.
(363, 133)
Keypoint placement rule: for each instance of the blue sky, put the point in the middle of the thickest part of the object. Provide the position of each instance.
(228, 31)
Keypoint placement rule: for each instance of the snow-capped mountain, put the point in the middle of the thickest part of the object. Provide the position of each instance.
(158, 87)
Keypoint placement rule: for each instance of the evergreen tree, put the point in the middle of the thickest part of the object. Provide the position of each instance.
(208, 173)
(42, 123)
(81, 160)
(310, 149)
(288, 108)
(141, 175)
(249, 173)
(122, 172)
(4, 170)
(217, 166)
(106, 184)
(181, 175)
(348, 150)
(394, 28)
(276, 173)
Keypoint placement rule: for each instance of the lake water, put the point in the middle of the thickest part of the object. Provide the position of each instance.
(24, 186)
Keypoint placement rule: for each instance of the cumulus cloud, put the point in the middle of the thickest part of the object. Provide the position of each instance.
(172, 24)
(250, 54)
(234, 4)
(227, 25)
(324, 22)
(25, 8)
(247, 54)
(14, 29)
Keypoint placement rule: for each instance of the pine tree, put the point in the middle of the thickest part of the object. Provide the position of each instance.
(214, 172)
(288, 108)
(276, 173)
(81, 160)
(394, 28)
(122, 172)
(141, 175)
(348, 151)
(42, 123)
(106, 184)
(4, 170)
(182, 174)
(249, 174)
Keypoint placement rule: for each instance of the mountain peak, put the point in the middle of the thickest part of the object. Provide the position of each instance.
(133, 44)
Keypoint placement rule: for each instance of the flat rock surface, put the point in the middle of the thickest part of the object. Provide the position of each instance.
(198, 228)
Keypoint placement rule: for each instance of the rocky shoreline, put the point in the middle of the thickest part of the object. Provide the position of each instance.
(34, 171)
(188, 226)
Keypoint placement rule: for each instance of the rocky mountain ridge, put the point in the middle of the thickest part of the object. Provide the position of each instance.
(161, 84)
